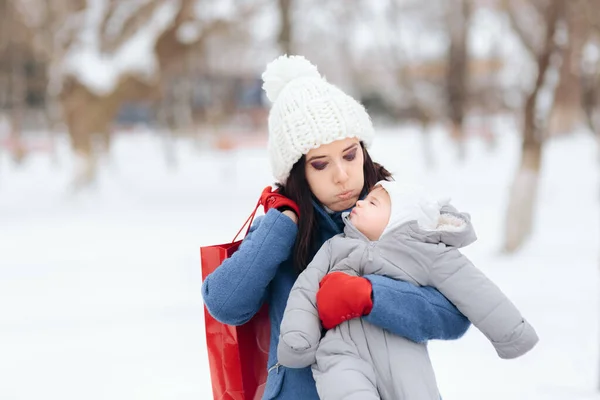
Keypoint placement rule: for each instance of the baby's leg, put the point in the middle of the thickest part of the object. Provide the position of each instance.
(340, 373)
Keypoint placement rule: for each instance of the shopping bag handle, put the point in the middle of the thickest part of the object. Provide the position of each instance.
(248, 222)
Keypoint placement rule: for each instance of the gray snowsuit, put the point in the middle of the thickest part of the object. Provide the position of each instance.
(357, 360)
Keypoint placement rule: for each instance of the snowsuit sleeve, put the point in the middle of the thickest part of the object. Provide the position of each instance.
(236, 290)
(480, 300)
(301, 328)
(417, 313)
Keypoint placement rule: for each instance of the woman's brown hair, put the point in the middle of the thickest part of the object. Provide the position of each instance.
(296, 188)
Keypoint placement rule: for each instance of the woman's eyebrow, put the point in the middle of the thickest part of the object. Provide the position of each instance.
(350, 147)
(315, 158)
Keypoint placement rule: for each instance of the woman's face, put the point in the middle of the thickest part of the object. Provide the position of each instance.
(335, 173)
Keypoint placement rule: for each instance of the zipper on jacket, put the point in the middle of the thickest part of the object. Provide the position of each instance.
(274, 367)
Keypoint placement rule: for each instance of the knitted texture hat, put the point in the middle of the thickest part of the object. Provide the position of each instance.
(307, 112)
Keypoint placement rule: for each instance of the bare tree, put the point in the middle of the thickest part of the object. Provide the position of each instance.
(569, 107)
(285, 38)
(548, 59)
(72, 31)
(590, 65)
(458, 16)
(591, 96)
(12, 52)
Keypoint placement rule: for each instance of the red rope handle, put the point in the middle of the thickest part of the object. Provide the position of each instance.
(250, 219)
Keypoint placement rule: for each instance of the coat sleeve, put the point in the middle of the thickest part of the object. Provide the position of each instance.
(301, 328)
(236, 290)
(480, 300)
(417, 313)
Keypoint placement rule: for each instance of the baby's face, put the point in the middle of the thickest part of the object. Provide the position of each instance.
(371, 215)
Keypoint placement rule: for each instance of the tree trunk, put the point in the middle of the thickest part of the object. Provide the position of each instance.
(84, 115)
(456, 80)
(285, 32)
(521, 208)
(89, 119)
(522, 197)
(591, 102)
(568, 108)
(18, 83)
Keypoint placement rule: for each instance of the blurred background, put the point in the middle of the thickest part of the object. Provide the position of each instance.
(132, 132)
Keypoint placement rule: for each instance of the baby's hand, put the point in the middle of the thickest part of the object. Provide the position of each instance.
(342, 297)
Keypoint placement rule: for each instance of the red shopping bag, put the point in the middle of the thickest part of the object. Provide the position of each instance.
(237, 355)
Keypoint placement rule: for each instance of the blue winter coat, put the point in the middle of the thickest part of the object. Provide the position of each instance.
(262, 270)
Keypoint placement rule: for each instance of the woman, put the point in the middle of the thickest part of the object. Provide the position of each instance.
(318, 140)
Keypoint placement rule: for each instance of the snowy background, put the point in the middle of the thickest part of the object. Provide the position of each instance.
(100, 289)
(101, 221)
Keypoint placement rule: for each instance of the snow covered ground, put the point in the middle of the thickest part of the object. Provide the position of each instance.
(100, 291)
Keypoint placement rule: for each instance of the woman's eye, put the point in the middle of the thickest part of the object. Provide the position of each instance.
(350, 156)
(319, 165)
(372, 202)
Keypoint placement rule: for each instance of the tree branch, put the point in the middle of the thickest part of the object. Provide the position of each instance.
(111, 6)
(526, 40)
(168, 47)
(593, 17)
(553, 14)
(132, 23)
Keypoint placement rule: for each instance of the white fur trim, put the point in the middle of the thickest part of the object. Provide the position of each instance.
(451, 223)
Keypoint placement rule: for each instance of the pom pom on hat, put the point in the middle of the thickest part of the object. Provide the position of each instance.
(283, 70)
(307, 112)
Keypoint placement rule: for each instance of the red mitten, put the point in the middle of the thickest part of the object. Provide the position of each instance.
(342, 297)
(272, 199)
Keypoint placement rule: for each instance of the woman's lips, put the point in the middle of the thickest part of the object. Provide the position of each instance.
(346, 195)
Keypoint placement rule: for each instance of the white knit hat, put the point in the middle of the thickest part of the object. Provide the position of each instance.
(307, 112)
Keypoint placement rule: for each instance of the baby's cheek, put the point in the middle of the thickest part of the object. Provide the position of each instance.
(381, 225)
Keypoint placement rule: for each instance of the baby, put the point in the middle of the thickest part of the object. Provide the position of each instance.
(399, 232)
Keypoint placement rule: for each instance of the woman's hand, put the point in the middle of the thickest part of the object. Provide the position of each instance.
(273, 199)
(342, 297)
(292, 215)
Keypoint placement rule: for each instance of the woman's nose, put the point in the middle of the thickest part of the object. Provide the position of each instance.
(341, 175)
